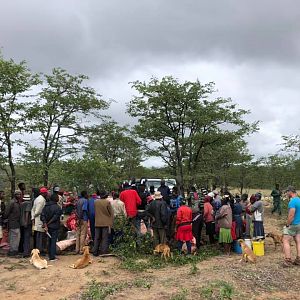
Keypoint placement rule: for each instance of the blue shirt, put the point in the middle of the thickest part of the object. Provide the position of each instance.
(295, 203)
(175, 203)
(91, 208)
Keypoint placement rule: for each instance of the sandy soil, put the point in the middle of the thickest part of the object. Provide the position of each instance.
(265, 280)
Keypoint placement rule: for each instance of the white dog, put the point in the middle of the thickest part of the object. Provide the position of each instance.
(37, 261)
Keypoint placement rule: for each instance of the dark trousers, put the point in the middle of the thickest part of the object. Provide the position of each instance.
(101, 240)
(159, 236)
(52, 243)
(277, 207)
(188, 246)
(210, 231)
(197, 229)
(21, 240)
(26, 240)
(40, 241)
(92, 227)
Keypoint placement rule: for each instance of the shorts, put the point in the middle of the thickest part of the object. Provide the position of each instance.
(292, 230)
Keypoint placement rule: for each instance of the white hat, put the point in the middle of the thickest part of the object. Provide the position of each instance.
(157, 195)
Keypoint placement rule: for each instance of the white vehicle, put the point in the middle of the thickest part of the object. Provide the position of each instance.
(156, 183)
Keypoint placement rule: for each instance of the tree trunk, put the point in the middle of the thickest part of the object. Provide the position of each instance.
(12, 168)
(46, 176)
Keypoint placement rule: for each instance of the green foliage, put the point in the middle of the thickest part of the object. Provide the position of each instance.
(181, 295)
(15, 82)
(182, 122)
(194, 269)
(217, 290)
(99, 291)
(116, 146)
(59, 117)
(141, 263)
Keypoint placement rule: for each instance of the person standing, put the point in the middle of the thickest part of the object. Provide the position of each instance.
(165, 191)
(22, 188)
(276, 194)
(237, 217)
(50, 218)
(26, 223)
(91, 214)
(257, 209)
(209, 219)
(184, 227)
(224, 218)
(82, 221)
(141, 215)
(157, 209)
(36, 211)
(131, 200)
(292, 228)
(118, 207)
(12, 213)
(104, 217)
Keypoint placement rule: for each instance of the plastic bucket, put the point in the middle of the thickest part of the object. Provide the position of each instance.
(248, 243)
(237, 247)
(258, 248)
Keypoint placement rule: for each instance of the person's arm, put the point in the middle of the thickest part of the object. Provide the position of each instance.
(110, 210)
(254, 207)
(38, 209)
(85, 210)
(178, 216)
(164, 212)
(205, 211)
(291, 216)
(56, 216)
(43, 217)
(223, 213)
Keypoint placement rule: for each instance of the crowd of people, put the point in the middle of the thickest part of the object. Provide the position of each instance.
(166, 214)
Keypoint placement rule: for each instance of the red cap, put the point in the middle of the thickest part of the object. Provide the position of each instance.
(43, 190)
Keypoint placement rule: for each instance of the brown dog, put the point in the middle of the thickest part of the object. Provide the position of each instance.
(277, 238)
(84, 261)
(38, 262)
(164, 249)
(248, 254)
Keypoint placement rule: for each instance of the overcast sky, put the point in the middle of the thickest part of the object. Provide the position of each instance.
(250, 49)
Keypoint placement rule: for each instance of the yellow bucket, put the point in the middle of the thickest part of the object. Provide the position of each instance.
(258, 248)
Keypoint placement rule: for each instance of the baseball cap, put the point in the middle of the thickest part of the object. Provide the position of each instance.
(290, 188)
(43, 190)
(56, 189)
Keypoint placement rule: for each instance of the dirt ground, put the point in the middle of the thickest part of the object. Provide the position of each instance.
(265, 280)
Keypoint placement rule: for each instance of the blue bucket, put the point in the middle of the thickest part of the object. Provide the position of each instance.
(237, 247)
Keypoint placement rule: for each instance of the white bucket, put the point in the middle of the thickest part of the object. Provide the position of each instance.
(248, 242)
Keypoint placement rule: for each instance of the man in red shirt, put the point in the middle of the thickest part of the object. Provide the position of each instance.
(184, 227)
(131, 200)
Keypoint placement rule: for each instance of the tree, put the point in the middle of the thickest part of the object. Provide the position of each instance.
(15, 80)
(60, 117)
(115, 145)
(178, 121)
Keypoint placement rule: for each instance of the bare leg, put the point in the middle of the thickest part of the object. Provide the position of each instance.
(297, 240)
(287, 246)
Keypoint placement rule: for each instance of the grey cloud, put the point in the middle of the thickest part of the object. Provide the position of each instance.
(100, 37)
(251, 49)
